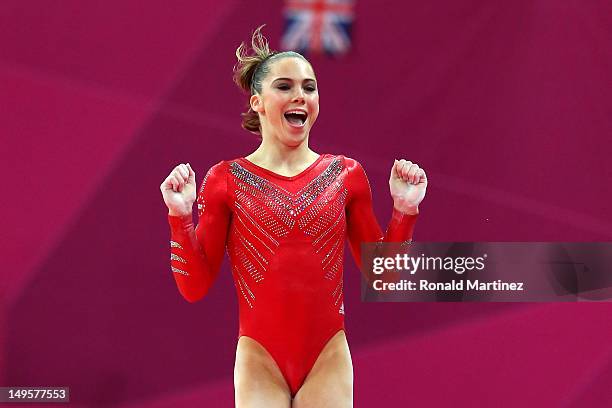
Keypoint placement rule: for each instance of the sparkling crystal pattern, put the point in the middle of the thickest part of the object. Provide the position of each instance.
(177, 270)
(245, 291)
(265, 213)
(201, 202)
(175, 257)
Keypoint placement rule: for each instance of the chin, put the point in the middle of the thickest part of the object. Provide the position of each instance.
(295, 134)
(294, 139)
(295, 142)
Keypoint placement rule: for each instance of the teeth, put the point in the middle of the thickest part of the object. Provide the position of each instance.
(297, 112)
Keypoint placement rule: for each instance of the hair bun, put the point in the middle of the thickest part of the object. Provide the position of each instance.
(248, 62)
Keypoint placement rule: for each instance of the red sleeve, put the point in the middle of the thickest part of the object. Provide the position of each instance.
(196, 253)
(361, 221)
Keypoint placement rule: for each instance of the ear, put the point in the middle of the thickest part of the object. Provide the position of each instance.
(256, 103)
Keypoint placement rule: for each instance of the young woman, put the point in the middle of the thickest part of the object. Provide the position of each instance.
(283, 213)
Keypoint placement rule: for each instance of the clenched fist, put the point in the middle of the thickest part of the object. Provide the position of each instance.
(179, 190)
(408, 183)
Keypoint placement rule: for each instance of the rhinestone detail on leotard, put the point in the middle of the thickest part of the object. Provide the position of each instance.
(175, 257)
(177, 270)
(266, 213)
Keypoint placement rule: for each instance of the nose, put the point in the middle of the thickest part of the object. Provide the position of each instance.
(298, 96)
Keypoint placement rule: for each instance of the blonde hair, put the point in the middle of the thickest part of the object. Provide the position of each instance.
(252, 68)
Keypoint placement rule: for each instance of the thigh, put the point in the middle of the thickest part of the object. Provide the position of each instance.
(258, 381)
(330, 382)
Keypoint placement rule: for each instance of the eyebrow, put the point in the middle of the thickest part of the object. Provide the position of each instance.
(291, 80)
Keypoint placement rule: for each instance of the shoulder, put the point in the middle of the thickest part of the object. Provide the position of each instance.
(216, 174)
(218, 169)
(356, 179)
(213, 188)
(353, 166)
(347, 162)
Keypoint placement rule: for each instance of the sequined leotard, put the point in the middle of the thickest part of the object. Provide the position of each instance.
(285, 239)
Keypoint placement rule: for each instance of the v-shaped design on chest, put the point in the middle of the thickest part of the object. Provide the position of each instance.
(259, 194)
(265, 212)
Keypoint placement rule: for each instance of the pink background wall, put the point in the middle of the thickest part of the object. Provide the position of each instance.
(507, 106)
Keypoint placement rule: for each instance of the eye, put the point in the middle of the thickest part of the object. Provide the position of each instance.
(283, 87)
(310, 88)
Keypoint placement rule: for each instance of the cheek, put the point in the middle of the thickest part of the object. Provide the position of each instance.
(276, 102)
(272, 107)
(314, 105)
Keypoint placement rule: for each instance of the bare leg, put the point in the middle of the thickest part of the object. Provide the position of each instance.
(330, 382)
(258, 382)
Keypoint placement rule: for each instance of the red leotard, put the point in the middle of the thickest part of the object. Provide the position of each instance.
(285, 240)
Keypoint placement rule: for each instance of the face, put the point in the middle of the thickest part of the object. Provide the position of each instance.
(288, 105)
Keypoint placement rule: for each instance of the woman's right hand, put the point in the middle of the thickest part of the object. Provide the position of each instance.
(179, 190)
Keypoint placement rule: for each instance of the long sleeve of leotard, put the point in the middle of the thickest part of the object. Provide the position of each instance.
(362, 225)
(196, 253)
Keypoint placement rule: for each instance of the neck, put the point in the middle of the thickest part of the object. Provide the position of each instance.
(274, 155)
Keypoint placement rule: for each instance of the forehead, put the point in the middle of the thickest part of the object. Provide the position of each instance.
(290, 67)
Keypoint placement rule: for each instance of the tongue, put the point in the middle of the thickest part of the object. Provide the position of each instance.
(294, 119)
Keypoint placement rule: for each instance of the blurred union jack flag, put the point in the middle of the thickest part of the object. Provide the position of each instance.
(320, 26)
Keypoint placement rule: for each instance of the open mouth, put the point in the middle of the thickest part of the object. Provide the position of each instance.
(296, 117)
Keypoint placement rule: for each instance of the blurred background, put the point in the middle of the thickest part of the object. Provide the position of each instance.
(506, 105)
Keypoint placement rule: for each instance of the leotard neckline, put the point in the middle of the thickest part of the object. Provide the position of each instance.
(280, 176)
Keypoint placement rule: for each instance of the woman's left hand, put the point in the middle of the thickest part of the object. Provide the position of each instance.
(408, 183)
